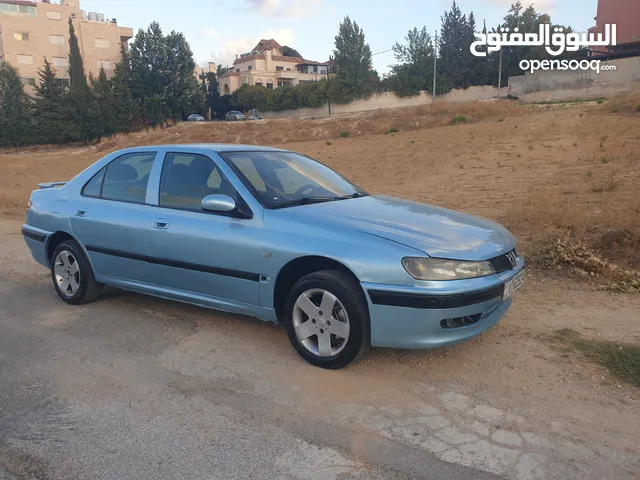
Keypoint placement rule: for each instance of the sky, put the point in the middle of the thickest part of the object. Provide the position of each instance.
(218, 30)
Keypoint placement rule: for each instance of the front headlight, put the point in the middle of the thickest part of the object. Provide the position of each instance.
(441, 269)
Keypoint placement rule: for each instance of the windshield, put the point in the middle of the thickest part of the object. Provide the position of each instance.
(283, 179)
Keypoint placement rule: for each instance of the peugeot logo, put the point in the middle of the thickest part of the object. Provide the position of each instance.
(512, 258)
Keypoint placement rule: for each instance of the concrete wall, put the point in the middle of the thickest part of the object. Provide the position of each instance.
(387, 100)
(568, 85)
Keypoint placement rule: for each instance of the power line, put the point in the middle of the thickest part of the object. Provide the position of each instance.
(383, 51)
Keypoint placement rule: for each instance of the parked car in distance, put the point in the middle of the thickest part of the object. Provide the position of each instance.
(254, 115)
(234, 115)
(196, 118)
(278, 236)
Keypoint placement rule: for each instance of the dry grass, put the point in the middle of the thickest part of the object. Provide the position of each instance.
(539, 172)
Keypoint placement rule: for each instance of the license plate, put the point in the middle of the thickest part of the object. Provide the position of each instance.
(513, 285)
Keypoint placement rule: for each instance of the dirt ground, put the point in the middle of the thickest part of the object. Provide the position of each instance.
(541, 171)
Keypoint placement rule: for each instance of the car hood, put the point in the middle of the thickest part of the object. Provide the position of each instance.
(438, 232)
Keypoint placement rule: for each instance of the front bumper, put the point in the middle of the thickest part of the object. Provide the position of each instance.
(413, 317)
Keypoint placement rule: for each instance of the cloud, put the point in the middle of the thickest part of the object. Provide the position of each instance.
(541, 6)
(232, 46)
(284, 8)
(209, 33)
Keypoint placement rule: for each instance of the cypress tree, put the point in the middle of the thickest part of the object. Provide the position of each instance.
(86, 123)
(53, 112)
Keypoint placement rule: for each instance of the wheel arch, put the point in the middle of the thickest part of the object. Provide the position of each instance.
(298, 268)
(56, 239)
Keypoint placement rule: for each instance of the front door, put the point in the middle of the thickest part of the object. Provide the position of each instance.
(110, 217)
(195, 251)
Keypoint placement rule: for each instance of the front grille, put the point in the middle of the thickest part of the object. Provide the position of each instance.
(502, 262)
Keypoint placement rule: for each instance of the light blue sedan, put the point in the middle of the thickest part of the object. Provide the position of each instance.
(275, 235)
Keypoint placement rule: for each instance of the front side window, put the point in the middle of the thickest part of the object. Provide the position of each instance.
(187, 178)
(125, 179)
(282, 179)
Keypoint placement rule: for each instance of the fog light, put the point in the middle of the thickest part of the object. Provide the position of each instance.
(459, 322)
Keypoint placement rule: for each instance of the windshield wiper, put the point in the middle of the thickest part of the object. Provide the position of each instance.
(304, 201)
(352, 195)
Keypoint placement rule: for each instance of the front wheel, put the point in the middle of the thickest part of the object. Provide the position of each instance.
(327, 319)
(72, 275)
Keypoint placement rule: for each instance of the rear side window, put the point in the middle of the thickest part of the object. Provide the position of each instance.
(94, 186)
(125, 179)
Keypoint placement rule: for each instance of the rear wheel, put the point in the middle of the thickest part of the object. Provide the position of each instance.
(327, 319)
(72, 275)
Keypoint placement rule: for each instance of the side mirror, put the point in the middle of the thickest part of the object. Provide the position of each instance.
(218, 203)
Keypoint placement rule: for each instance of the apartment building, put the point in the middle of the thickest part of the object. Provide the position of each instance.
(625, 14)
(31, 31)
(272, 66)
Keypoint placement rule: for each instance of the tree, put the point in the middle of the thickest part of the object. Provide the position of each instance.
(211, 89)
(149, 59)
(352, 61)
(14, 108)
(106, 106)
(457, 63)
(248, 97)
(85, 123)
(126, 112)
(527, 20)
(414, 72)
(183, 94)
(162, 75)
(220, 70)
(52, 108)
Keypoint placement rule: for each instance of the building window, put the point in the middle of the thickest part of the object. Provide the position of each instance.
(101, 43)
(279, 68)
(60, 62)
(322, 70)
(11, 9)
(270, 85)
(56, 39)
(288, 69)
(21, 37)
(106, 64)
(29, 81)
(250, 67)
(279, 83)
(258, 84)
(64, 82)
(27, 59)
(54, 15)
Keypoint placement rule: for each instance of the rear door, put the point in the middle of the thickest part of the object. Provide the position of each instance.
(216, 255)
(111, 217)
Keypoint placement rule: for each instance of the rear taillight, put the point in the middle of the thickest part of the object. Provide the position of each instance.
(29, 205)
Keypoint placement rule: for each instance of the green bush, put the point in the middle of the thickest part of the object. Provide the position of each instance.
(392, 130)
(458, 119)
(344, 134)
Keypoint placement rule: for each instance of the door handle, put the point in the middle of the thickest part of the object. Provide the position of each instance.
(161, 223)
(80, 213)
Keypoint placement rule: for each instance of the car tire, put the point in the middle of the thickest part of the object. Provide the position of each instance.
(72, 274)
(349, 305)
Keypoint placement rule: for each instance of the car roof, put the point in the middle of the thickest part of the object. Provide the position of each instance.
(204, 147)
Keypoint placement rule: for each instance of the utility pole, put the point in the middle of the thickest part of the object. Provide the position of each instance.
(435, 63)
(500, 73)
(328, 79)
